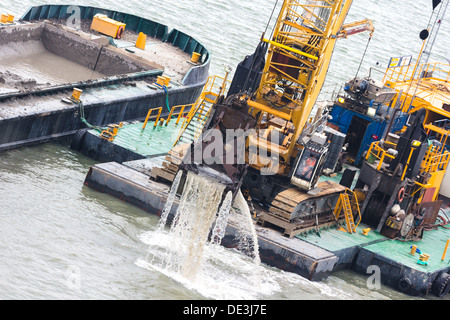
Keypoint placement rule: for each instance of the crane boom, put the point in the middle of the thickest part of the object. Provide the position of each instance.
(298, 58)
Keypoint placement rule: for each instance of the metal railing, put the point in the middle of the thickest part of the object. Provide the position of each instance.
(379, 153)
(150, 114)
(435, 70)
(180, 113)
(201, 109)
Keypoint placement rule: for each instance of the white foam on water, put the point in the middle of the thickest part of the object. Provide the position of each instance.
(170, 199)
(222, 219)
(224, 274)
(228, 274)
(246, 228)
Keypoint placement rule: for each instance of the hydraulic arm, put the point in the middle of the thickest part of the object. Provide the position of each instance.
(273, 93)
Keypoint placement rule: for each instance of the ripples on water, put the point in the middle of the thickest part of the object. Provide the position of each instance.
(62, 240)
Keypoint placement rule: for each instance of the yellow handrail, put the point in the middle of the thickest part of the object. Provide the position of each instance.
(150, 111)
(376, 150)
(215, 87)
(180, 113)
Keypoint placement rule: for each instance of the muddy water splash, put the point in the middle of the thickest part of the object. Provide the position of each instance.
(191, 226)
(222, 220)
(170, 199)
(242, 215)
(197, 216)
(184, 253)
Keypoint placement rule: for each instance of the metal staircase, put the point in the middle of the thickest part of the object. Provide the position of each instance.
(191, 127)
(193, 124)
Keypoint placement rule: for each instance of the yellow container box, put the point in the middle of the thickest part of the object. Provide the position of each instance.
(4, 18)
(101, 23)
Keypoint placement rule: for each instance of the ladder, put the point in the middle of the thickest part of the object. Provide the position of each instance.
(345, 205)
(193, 124)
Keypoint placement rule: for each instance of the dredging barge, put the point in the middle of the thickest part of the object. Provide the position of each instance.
(54, 49)
(38, 113)
(140, 175)
(291, 236)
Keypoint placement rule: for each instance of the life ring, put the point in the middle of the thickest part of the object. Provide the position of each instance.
(401, 194)
(119, 32)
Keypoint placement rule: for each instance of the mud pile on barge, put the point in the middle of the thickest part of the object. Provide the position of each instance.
(45, 56)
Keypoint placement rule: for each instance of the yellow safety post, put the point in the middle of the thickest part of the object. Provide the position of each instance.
(195, 57)
(166, 81)
(76, 94)
(415, 144)
(445, 250)
(111, 132)
(413, 250)
(424, 257)
(141, 40)
(160, 80)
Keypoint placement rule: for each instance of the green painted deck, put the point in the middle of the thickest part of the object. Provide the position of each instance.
(432, 243)
(333, 239)
(152, 141)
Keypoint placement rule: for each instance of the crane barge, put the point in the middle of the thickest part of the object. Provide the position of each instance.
(276, 153)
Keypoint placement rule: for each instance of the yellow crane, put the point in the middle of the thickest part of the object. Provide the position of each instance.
(299, 54)
(272, 94)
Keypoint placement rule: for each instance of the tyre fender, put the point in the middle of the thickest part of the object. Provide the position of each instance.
(77, 139)
(441, 285)
(119, 32)
(401, 194)
(404, 284)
